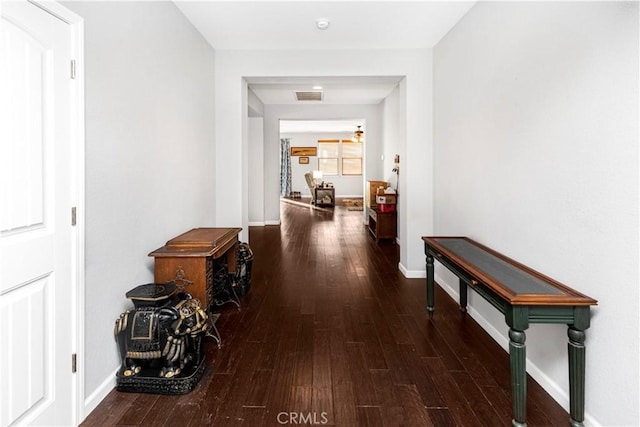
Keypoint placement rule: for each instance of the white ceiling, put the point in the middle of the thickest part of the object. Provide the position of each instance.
(286, 25)
(336, 90)
(238, 24)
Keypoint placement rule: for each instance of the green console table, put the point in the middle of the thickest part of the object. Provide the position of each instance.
(524, 296)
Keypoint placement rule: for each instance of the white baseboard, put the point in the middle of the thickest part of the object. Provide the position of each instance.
(411, 274)
(547, 383)
(256, 224)
(276, 222)
(98, 395)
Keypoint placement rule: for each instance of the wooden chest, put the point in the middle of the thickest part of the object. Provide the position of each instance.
(196, 259)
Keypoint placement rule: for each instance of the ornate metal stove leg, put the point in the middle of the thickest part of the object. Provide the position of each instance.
(213, 330)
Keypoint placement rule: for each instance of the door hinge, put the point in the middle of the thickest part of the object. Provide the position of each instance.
(73, 69)
(74, 363)
(73, 216)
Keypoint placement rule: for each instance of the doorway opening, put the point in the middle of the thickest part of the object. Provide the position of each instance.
(321, 162)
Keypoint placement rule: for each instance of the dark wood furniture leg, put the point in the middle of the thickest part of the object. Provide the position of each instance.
(517, 320)
(577, 364)
(518, 361)
(576, 375)
(430, 289)
(463, 296)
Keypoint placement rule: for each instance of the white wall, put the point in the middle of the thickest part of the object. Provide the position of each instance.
(536, 155)
(345, 186)
(149, 156)
(390, 134)
(393, 138)
(256, 107)
(256, 170)
(415, 100)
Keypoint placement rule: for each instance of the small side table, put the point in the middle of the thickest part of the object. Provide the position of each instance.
(324, 196)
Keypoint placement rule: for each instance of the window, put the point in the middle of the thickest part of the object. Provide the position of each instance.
(351, 157)
(328, 156)
(339, 157)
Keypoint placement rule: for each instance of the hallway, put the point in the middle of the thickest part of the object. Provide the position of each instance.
(332, 333)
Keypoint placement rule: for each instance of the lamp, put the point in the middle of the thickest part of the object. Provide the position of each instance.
(358, 135)
(317, 177)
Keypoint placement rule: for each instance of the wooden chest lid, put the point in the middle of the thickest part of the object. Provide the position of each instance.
(198, 241)
(202, 238)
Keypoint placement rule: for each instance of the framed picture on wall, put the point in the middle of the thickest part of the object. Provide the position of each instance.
(304, 151)
(303, 160)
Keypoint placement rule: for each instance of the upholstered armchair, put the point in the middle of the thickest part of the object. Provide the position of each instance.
(311, 183)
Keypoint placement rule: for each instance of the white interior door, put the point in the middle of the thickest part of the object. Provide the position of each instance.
(37, 265)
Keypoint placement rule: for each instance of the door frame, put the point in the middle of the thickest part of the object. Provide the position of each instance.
(76, 27)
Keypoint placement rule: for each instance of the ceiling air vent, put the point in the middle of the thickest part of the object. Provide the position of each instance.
(309, 96)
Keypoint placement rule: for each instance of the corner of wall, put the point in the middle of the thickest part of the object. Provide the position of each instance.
(98, 395)
(411, 274)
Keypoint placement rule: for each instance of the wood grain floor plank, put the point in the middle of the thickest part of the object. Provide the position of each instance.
(217, 388)
(140, 407)
(253, 416)
(321, 358)
(455, 401)
(392, 412)
(330, 326)
(322, 404)
(415, 408)
(481, 407)
(369, 416)
(259, 386)
(420, 377)
(160, 411)
(360, 375)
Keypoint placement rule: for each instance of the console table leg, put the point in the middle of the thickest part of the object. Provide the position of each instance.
(518, 360)
(463, 296)
(430, 289)
(576, 375)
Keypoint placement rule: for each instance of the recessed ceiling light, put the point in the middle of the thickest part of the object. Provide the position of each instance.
(317, 87)
(322, 24)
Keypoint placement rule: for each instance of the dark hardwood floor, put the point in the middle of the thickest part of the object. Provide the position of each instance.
(332, 333)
